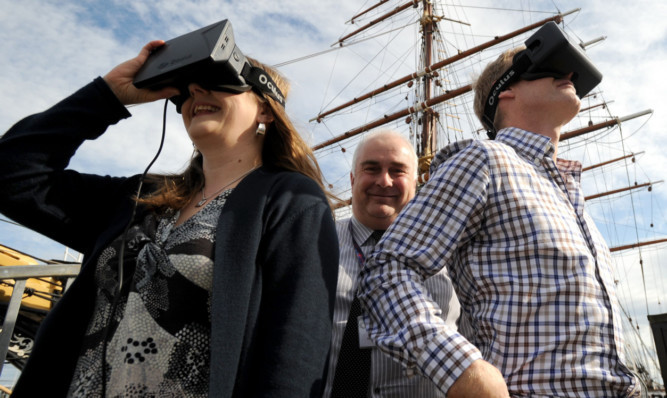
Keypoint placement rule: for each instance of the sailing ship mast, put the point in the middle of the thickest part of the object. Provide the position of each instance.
(598, 126)
(427, 143)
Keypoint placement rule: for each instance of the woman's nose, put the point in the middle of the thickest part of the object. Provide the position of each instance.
(195, 88)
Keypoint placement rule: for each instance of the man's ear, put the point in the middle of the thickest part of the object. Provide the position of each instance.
(351, 179)
(507, 94)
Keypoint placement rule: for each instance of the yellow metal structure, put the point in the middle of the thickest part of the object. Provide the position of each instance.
(39, 291)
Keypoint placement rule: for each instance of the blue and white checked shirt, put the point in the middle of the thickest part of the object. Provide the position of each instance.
(531, 271)
(388, 378)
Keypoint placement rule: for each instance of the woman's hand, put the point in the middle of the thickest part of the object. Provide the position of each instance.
(120, 79)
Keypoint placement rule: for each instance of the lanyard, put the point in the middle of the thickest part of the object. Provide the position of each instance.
(360, 255)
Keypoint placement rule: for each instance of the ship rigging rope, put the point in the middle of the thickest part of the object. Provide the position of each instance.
(634, 214)
(342, 45)
(500, 9)
(635, 131)
(10, 222)
(326, 89)
(641, 340)
(362, 7)
(368, 64)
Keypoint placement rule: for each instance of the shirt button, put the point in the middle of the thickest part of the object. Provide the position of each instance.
(537, 162)
(376, 390)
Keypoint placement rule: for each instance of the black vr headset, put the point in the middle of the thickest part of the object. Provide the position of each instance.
(548, 53)
(209, 57)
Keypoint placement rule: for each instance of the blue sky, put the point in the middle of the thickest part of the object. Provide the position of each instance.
(51, 48)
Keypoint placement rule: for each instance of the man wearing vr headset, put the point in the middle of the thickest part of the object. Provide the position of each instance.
(531, 271)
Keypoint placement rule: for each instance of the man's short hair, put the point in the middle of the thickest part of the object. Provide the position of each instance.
(484, 84)
(382, 133)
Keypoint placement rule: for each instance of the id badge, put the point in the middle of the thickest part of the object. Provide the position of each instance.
(364, 340)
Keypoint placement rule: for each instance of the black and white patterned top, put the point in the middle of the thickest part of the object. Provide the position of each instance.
(157, 342)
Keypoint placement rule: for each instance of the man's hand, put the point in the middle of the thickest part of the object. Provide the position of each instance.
(480, 380)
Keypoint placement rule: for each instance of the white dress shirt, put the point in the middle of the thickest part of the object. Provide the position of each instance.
(387, 377)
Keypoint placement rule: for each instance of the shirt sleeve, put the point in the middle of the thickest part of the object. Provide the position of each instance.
(429, 234)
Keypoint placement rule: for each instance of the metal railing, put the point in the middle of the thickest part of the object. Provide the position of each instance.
(20, 274)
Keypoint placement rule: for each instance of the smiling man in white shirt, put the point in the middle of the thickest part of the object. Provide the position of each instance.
(383, 181)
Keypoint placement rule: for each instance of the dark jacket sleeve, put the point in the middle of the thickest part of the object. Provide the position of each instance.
(38, 191)
(287, 317)
(79, 210)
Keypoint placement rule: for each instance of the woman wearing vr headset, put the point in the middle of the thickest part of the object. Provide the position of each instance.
(228, 270)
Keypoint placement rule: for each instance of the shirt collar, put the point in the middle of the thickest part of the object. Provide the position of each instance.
(360, 232)
(537, 147)
(571, 167)
(531, 145)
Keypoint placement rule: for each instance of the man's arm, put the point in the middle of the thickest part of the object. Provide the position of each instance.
(480, 380)
(428, 235)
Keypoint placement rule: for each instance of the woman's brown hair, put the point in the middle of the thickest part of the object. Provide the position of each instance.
(283, 148)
